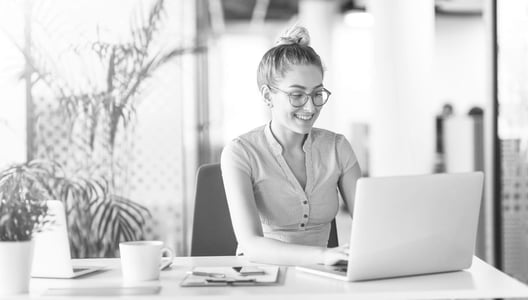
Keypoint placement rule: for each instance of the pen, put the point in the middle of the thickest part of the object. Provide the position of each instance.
(231, 281)
(207, 274)
(166, 266)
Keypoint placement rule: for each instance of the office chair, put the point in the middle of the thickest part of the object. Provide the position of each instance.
(212, 233)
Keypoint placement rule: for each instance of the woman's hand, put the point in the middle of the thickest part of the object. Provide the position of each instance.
(332, 256)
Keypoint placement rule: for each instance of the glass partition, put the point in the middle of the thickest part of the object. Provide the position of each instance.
(512, 122)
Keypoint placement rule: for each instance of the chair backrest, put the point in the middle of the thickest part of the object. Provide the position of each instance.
(332, 239)
(212, 233)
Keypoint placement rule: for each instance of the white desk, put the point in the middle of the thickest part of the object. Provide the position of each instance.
(480, 281)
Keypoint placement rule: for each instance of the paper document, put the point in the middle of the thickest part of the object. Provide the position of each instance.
(239, 275)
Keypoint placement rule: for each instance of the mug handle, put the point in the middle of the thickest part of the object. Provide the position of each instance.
(166, 261)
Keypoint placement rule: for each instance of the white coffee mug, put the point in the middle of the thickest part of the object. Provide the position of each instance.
(143, 260)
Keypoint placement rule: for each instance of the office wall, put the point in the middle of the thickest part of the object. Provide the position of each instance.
(460, 62)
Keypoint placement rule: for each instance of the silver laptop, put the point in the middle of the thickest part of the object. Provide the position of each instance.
(51, 255)
(410, 225)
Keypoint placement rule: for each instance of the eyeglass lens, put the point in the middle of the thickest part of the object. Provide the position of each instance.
(319, 98)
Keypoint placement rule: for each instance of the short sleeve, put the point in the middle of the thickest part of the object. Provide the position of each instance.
(234, 156)
(346, 157)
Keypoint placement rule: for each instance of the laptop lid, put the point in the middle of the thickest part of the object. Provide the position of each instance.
(409, 225)
(51, 253)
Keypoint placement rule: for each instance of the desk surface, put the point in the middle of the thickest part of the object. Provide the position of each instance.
(480, 281)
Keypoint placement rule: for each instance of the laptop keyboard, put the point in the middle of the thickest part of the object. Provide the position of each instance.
(341, 268)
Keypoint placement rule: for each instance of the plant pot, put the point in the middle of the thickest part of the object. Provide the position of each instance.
(15, 270)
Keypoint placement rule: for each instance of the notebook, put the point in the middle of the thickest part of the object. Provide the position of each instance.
(51, 253)
(410, 225)
(228, 275)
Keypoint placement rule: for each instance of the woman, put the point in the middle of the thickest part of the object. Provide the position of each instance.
(282, 179)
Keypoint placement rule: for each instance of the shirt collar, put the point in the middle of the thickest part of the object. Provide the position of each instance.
(276, 147)
(307, 145)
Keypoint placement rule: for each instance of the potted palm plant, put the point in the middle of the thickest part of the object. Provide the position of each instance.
(23, 211)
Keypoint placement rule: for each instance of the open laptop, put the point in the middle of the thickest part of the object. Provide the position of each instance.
(410, 225)
(51, 255)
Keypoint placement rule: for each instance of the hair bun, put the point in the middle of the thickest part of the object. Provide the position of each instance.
(294, 35)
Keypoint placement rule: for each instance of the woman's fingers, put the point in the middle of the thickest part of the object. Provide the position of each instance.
(336, 255)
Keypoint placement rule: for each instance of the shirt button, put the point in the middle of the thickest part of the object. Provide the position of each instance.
(305, 202)
(305, 216)
(302, 225)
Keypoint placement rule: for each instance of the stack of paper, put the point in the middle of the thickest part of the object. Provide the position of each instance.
(221, 276)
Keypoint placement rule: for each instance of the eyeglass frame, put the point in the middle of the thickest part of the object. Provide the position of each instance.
(306, 95)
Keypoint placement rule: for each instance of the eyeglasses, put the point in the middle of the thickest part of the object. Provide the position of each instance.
(299, 98)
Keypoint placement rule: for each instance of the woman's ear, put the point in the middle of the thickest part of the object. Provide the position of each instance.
(266, 95)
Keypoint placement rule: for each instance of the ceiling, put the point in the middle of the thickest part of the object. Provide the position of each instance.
(239, 10)
(276, 10)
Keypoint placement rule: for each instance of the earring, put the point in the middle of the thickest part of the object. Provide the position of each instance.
(268, 102)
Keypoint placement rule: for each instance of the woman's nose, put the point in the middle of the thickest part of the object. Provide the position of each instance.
(309, 105)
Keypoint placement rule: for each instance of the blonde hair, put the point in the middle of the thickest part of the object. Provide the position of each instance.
(292, 48)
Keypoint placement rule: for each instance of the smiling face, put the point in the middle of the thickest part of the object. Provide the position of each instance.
(288, 119)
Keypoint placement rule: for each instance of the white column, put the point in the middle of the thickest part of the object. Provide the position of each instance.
(402, 140)
(189, 114)
(490, 114)
(318, 16)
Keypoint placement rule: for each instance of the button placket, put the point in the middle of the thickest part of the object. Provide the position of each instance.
(309, 167)
(305, 212)
(307, 147)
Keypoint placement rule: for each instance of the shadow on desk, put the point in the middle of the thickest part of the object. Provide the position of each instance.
(104, 291)
(447, 281)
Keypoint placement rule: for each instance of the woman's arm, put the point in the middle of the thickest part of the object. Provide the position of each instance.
(351, 172)
(248, 229)
(347, 186)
